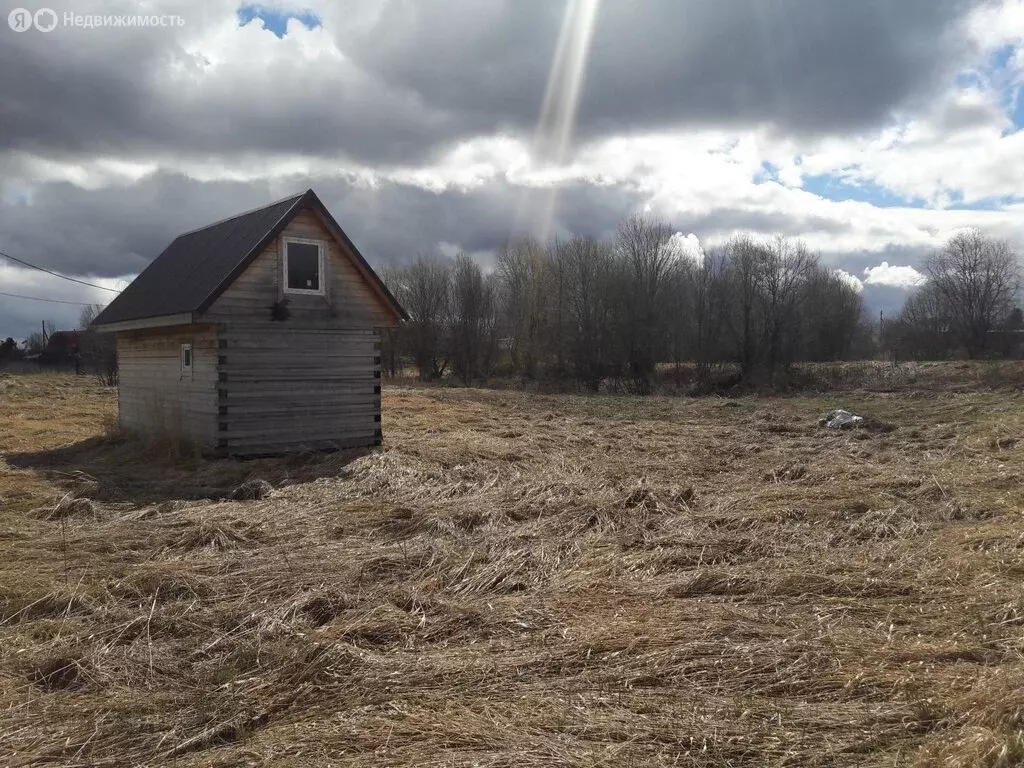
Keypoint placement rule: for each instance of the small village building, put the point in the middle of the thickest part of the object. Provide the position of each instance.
(258, 334)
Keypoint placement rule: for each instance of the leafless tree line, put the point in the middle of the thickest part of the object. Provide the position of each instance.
(969, 295)
(454, 319)
(586, 310)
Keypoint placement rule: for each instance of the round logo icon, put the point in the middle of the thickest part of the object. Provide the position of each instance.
(20, 20)
(45, 19)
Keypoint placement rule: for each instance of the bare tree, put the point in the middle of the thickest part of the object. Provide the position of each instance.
(589, 310)
(923, 330)
(522, 268)
(782, 273)
(392, 340)
(768, 284)
(742, 257)
(35, 343)
(560, 288)
(424, 289)
(98, 351)
(641, 243)
(589, 313)
(831, 316)
(474, 329)
(977, 277)
(706, 298)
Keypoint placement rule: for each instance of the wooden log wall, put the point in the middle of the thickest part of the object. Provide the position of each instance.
(155, 396)
(284, 389)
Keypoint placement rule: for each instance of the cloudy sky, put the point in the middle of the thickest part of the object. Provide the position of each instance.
(871, 129)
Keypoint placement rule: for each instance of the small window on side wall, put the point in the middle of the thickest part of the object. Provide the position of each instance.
(303, 266)
(186, 359)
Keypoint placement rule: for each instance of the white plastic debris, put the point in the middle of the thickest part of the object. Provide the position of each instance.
(842, 420)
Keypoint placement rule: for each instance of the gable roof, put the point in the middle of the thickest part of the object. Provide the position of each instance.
(199, 265)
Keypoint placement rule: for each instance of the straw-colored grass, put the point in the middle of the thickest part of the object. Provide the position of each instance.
(521, 580)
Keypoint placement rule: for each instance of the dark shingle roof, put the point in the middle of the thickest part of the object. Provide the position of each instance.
(196, 268)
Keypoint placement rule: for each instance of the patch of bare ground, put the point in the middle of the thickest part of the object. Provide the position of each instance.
(521, 580)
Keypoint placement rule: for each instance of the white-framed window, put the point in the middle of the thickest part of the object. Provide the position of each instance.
(186, 359)
(303, 266)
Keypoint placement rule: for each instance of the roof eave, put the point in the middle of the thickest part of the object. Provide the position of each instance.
(141, 323)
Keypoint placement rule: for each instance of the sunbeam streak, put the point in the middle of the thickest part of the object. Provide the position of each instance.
(553, 137)
(565, 82)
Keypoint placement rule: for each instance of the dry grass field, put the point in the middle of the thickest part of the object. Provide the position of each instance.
(521, 580)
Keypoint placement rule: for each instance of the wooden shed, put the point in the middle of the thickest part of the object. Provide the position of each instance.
(258, 334)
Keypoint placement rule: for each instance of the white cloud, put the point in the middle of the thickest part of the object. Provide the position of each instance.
(687, 247)
(851, 280)
(449, 250)
(964, 147)
(993, 25)
(894, 276)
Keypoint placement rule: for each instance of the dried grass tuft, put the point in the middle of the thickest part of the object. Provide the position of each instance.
(215, 534)
(70, 507)
(252, 489)
(59, 604)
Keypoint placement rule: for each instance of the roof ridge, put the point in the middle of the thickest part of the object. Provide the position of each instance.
(226, 219)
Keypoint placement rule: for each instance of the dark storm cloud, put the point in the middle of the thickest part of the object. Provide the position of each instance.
(430, 72)
(803, 65)
(118, 230)
(806, 67)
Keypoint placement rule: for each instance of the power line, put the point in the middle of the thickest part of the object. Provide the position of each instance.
(58, 274)
(40, 298)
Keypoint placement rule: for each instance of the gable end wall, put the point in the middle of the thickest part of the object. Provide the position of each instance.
(349, 302)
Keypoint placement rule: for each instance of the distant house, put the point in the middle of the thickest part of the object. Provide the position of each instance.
(258, 334)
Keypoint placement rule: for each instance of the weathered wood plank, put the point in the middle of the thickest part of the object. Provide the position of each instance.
(245, 328)
(305, 352)
(237, 411)
(236, 391)
(271, 437)
(154, 395)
